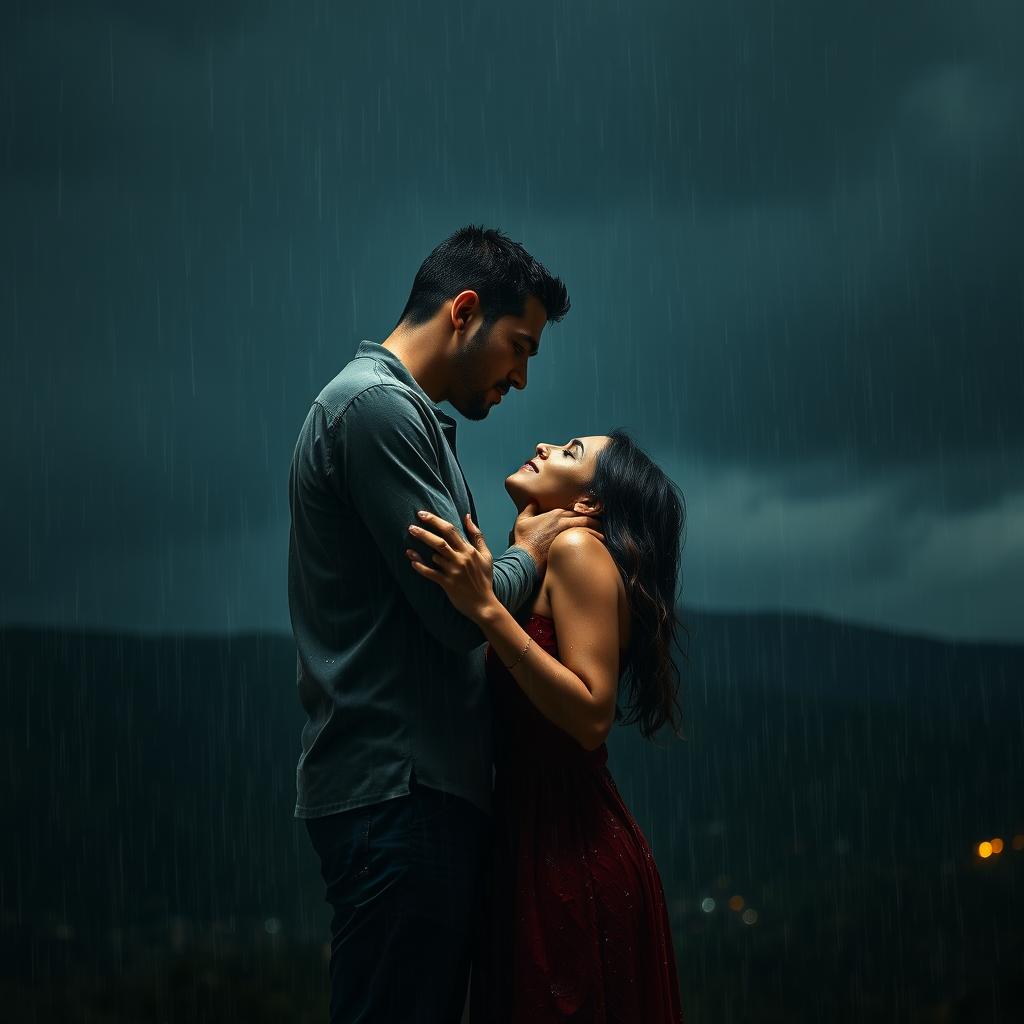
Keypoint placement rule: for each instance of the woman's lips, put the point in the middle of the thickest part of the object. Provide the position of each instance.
(530, 466)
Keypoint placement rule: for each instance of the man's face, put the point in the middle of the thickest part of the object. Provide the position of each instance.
(494, 360)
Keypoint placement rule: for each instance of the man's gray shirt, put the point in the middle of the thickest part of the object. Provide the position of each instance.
(388, 671)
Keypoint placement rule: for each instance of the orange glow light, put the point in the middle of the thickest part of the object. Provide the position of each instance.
(736, 903)
(984, 849)
(997, 845)
(1018, 842)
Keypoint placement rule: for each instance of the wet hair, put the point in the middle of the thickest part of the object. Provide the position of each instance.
(500, 271)
(643, 519)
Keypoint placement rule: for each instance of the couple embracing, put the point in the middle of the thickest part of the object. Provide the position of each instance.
(461, 806)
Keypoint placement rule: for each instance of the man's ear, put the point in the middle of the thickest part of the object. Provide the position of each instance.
(588, 505)
(464, 306)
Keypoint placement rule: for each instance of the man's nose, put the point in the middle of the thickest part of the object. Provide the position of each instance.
(518, 379)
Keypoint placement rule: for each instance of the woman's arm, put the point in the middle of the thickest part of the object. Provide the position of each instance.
(577, 693)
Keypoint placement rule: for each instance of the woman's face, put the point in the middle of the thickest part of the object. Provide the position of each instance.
(558, 475)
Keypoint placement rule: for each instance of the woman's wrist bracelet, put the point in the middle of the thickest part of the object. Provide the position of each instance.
(522, 654)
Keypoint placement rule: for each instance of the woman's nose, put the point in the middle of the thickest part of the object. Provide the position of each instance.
(542, 450)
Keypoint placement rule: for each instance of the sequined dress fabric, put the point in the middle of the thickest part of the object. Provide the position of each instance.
(574, 925)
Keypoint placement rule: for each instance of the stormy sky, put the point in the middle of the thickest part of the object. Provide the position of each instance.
(790, 233)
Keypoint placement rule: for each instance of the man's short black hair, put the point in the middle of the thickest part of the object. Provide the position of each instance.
(499, 270)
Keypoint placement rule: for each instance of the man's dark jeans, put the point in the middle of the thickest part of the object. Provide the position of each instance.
(403, 878)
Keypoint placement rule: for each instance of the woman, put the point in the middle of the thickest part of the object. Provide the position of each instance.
(574, 924)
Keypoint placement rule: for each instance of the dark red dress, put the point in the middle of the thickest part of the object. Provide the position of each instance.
(574, 925)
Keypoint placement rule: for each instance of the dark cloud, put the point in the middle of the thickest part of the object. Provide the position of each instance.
(789, 232)
(192, 22)
(714, 102)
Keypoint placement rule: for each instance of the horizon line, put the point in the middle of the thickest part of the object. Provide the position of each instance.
(193, 633)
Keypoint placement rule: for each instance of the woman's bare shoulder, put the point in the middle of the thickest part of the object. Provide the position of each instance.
(580, 540)
(578, 560)
(579, 553)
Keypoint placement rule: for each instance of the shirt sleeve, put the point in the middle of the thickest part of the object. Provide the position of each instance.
(389, 463)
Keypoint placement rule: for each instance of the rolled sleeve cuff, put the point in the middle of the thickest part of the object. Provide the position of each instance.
(515, 577)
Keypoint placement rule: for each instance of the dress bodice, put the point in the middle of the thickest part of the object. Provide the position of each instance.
(522, 735)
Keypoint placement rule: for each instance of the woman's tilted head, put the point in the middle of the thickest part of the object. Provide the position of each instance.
(558, 476)
(643, 519)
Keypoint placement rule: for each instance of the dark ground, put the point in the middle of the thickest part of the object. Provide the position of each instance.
(835, 778)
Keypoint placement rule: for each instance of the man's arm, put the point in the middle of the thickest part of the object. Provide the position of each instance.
(515, 575)
(385, 457)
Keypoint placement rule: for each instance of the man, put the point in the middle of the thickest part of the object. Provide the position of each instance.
(394, 778)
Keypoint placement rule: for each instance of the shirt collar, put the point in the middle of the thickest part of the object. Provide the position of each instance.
(399, 370)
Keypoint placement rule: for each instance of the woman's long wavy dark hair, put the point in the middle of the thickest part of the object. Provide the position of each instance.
(643, 520)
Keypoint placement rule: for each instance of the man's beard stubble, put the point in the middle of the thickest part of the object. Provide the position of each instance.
(475, 406)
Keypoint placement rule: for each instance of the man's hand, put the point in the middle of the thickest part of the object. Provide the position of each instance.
(534, 532)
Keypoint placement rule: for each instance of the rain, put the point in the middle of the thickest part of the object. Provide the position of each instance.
(790, 233)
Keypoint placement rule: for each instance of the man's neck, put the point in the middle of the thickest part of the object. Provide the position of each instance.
(423, 356)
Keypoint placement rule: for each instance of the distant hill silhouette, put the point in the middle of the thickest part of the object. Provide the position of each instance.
(835, 777)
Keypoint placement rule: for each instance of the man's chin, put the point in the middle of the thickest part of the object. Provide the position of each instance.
(477, 408)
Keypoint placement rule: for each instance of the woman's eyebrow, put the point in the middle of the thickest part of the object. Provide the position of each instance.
(577, 441)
